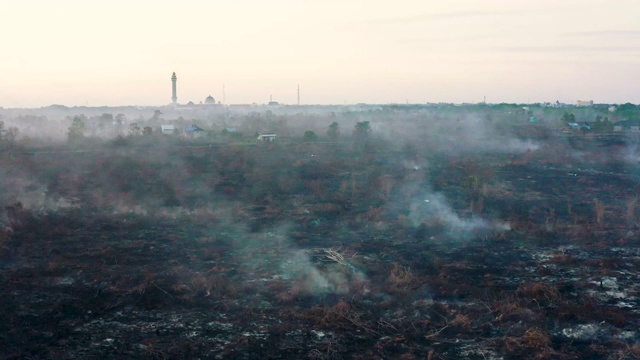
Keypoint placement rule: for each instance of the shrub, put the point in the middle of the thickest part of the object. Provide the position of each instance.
(309, 136)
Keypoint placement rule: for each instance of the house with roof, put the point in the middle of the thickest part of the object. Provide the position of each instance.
(575, 126)
(267, 137)
(632, 126)
(193, 132)
(167, 129)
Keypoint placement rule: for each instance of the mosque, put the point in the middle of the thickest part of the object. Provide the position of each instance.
(174, 94)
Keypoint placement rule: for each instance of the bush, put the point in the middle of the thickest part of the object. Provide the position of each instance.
(309, 136)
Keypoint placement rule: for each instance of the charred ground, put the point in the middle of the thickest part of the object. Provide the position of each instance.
(346, 249)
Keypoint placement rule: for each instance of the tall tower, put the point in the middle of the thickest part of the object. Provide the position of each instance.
(174, 97)
(298, 94)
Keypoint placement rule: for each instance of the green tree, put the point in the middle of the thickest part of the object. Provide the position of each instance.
(309, 136)
(602, 124)
(362, 130)
(77, 128)
(156, 115)
(334, 130)
(233, 133)
(7, 136)
(627, 111)
(10, 135)
(3, 131)
(568, 117)
(134, 129)
(120, 119)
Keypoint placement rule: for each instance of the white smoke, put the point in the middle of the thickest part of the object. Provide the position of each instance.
(433, 208)
(310, 279)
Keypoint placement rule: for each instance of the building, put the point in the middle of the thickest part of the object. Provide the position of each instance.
(584, 103)
(208, 101)
(271, 102)
(193, 131)
(174, 93)
(167, 129)
(267, 137)
(631, 126)
(575, 126)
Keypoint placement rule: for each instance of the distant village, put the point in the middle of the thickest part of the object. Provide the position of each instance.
(272, 120)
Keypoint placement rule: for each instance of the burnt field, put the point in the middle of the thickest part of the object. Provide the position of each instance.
(347, 250)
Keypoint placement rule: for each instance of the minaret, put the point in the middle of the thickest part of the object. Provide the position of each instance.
(174, 97)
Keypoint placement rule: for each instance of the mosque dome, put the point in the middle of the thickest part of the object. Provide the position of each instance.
(209, 100)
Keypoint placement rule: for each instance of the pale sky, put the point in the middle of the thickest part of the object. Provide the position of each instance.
(372, 51)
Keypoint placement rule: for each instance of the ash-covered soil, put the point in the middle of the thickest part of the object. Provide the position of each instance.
(556, 277)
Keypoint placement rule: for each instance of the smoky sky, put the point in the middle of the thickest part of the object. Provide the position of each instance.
(338, 52)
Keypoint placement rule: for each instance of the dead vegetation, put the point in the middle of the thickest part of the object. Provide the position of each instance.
(321, 269)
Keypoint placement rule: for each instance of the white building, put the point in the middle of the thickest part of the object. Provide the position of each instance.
(168, 129)
(267, 137)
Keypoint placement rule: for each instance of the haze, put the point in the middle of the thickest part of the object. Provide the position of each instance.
(123, 52)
